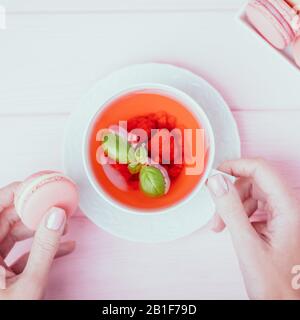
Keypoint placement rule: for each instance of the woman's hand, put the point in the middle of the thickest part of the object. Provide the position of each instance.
(268, 249)
(27, 277)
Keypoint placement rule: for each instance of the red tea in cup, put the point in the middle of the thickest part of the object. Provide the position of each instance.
(150, 176)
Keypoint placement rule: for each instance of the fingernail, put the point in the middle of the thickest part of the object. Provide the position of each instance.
(217, 185)
(2, 278)
(56, 219)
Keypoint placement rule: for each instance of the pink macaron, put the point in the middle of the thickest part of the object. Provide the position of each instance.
(294, 3)
(275, 20)
(42, 191)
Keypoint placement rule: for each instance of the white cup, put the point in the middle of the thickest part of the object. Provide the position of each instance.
(183, 99)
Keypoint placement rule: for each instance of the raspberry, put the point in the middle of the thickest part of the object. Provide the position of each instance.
(165, 123)
(171, 122)
(142, 122)
(162, 120)
(174, 170)
(163, 137)
(122, 168)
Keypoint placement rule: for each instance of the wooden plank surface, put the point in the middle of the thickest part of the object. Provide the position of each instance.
(201, 266)
(49, 61)
(105, 267)
(118, 5)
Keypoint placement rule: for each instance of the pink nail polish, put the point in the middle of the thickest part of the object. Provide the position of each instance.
(217, 185)
(56, 219)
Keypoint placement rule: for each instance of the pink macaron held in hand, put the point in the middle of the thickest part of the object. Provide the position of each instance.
(278, 21)
(42, 191)
(294, 3)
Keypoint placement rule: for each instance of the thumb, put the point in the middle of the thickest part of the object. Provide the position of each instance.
(45, 245)
(2, 278)
(230, 208)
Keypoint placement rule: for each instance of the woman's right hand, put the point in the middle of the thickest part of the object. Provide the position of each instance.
(268, 250)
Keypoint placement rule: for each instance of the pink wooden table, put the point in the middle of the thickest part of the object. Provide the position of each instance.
(50, 54)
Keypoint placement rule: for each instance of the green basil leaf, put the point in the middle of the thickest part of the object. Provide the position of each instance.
(141, 154)
(134, 168)
(131, 155)
(152, 181)
(116, 148)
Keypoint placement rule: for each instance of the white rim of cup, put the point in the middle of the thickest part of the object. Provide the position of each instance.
(188, 103)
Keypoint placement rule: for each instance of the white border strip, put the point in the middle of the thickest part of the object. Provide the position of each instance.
(94, 6)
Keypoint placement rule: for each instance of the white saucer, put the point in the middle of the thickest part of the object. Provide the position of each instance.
(178, 222)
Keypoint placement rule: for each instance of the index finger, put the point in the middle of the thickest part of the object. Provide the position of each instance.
(277, 193)
(7, 195)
